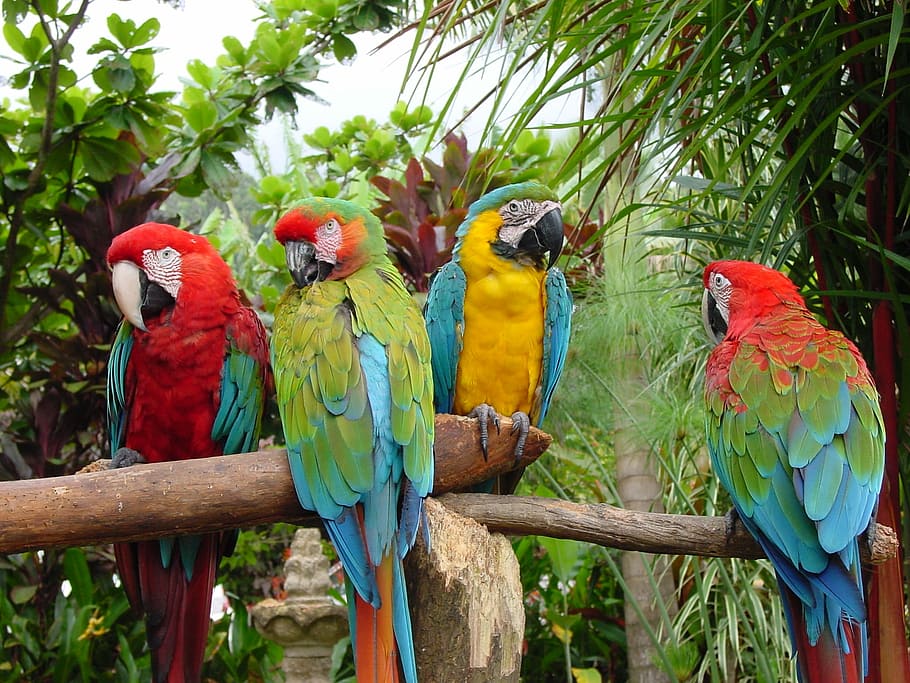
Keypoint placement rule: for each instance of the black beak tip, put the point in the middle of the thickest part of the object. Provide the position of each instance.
(552, 233)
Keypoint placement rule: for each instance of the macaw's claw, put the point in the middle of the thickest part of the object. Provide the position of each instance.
(124, 457)
(485, 414)
(731, 519)
(521, 423)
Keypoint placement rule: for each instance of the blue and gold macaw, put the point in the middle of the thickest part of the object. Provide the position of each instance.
(499, 314)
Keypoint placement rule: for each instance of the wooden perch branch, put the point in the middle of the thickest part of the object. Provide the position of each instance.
(209, 494)
(197, 496)
(614, 527)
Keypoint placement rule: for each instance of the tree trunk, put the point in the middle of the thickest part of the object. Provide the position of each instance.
(466, 604)
(640, 490)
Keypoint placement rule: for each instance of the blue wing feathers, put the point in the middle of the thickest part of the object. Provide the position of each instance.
(116, 384)
(242, 394)
(401, 624)
(444, 315)
(557, 330)
(344, 532)
(829, 458)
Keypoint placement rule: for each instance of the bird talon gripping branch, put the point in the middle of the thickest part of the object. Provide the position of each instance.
(125, 457)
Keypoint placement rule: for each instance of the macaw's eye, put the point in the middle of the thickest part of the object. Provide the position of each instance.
(331, 226)
(168, 254)
(514, 206)
(720, 281)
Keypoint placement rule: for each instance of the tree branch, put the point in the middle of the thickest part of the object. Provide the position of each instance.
(613, 527)
(211, 494)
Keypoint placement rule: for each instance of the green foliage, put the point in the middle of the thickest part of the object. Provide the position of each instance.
(340, 163)
(83, 157)
(88, 635)
(236, 651)
(574, 617)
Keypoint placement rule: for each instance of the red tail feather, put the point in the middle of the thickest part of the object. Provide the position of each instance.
(176, 611)
(376, 656)
(825, 662)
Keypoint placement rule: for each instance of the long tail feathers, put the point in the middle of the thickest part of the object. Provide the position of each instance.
(176, 610)
(826, 661)
(382, 641)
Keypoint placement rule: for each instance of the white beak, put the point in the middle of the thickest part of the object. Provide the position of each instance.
(128, 292)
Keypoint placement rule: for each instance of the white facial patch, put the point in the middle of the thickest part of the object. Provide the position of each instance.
(519, 215)
(721, 288)
(163, 267)
(328, 241)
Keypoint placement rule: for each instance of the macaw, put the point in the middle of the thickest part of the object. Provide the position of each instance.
(187, 378)
(499, 314)
(795, 435)
(354, 386)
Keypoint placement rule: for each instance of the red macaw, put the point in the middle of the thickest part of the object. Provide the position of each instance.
(795, 435)
(187, 378)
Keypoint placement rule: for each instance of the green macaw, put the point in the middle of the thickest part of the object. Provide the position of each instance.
(352, 371)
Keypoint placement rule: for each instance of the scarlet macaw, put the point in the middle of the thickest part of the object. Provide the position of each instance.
(796, 437)
(187, 377)
(499, 314)
(352, 370)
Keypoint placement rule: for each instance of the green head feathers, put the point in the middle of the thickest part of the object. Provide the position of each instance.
(328, 239)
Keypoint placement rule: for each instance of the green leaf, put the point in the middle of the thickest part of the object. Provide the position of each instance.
(367, 19)
(48, 8)
(320, 138)
(14, 37)
(22, 594)
(37, 93)
(201, 115)
(104, 158)
(267, 42)
(271, 254)
(563, 554)
(343, 48)
(103, 45)
(217, 172)
(14, 10)
(123, 30)
(327, 9)
(75, 568)
(146, 32)
(119, 73)
(235, 49)
(586, 675)
(202, 74)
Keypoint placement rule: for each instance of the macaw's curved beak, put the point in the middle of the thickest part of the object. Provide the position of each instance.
(137, 297)
(713, 318)
(546, 236)
(300, 257)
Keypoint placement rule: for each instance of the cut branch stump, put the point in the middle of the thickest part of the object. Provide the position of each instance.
(466, 602)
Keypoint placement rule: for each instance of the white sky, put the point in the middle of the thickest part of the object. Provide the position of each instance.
(369, 86)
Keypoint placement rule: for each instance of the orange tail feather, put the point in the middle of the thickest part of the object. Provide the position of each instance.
(376, 656)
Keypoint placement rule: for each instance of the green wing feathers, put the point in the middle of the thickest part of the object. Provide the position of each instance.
(385, 310)
(322, 391)
(799, 401)
(322, 398)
